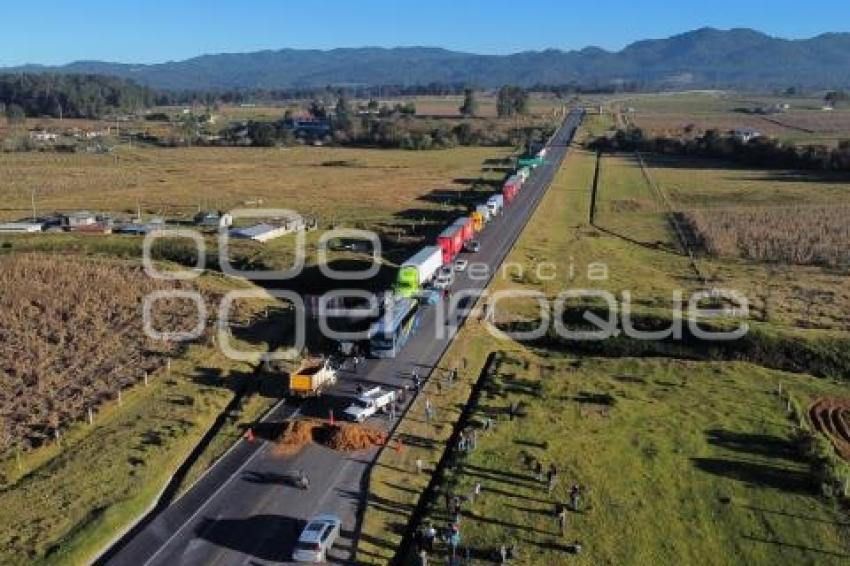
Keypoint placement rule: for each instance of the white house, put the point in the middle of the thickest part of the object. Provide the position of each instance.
(76, 219)
(745, 135)
(43, 136)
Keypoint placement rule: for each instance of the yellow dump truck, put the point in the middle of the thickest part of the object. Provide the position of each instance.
(311, 378)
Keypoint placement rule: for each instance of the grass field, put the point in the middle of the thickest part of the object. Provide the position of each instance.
(706, 445)
(330, 183)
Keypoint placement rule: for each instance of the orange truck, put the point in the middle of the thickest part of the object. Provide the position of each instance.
(311, 378)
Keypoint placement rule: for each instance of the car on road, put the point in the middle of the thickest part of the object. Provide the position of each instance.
(460, 264)
(473, 246)
(317, 538)
(444, 278)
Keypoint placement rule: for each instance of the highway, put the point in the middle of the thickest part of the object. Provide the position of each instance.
(243, 511)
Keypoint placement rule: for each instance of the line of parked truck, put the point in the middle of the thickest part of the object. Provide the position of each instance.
(419, 278)
(432, 264)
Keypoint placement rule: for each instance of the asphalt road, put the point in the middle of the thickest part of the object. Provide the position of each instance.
(245, 510)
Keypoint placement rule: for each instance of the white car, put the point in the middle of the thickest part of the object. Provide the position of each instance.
(461, 264)
(317, 538)
(445, 277)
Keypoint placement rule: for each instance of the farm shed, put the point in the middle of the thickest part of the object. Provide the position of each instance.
(261, 232)
(76, 219)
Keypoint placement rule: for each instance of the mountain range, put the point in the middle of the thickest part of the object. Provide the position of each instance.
(704, 58)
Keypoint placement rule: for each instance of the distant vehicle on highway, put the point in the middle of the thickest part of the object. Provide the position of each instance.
(444, 278)
(369, 403)
(391, 332)
(460, 264)
(317, 538)
(473, 246)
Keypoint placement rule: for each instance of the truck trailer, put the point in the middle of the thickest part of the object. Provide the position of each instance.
(418, 270)
(450, 242)
(466, 227)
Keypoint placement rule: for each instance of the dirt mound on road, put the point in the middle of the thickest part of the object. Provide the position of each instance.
(345, 437)
(349, 437)
(831, 416)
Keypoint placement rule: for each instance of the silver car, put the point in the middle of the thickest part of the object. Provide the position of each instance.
(317, 538)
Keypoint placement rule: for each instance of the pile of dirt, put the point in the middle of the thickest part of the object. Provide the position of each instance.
(296, 435)
(831, 416)
(351, 437)
(345, 437)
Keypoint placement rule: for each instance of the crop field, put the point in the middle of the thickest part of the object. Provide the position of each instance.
(646, 437)
(808, 236)
(329, 183)
(68, 346)
(63, 353)
(805, 123)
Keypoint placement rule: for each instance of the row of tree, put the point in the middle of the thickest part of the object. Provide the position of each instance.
(70, 96)
(759, 152)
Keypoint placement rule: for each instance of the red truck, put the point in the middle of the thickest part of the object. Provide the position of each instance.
(467, 227)
(450, 241)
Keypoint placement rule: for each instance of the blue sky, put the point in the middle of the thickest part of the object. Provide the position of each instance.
(60, 31)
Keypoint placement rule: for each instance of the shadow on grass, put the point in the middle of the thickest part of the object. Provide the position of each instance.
(754, 473)
(749, 443)
(800, 547)
(791, 515)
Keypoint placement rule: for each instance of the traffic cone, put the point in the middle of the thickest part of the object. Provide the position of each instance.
(249, 435)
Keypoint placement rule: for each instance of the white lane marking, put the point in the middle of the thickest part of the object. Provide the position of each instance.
(211, 498)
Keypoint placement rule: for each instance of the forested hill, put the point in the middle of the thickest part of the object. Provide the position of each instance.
(705, 58)
(70, 96)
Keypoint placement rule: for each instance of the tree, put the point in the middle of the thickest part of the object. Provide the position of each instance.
(373, 105)
(511, 100)
(317, 109)
(470, 104)
(832, 98)
(15, 114)
(343, 114)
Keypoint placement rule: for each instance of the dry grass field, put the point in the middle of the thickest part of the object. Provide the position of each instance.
(62, 353)
(355, 184)
(805, 236)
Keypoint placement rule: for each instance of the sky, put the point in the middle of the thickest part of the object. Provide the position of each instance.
(61, 31)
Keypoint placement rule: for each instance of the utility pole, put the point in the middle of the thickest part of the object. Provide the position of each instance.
(34, 214)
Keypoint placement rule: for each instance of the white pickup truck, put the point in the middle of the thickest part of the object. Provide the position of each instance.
(369, 403)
